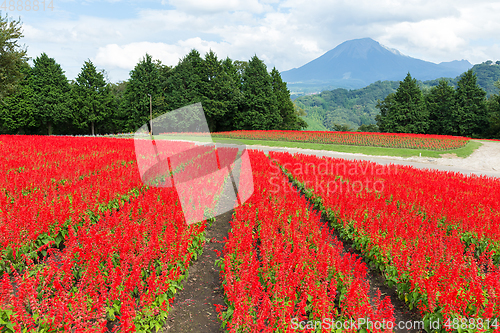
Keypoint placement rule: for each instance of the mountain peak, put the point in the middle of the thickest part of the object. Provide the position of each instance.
(359, 62)
(396, 52)
(356, 48)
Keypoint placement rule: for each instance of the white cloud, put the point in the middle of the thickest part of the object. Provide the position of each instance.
(284, 34)
(449, 37)
(127, 56)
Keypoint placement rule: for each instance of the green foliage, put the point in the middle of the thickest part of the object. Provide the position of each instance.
(118, 90)
(234, 95)
(221, 93)
(288, 112)
(17, 113)
(368, 128)
(258, 108)
(358, 107)
(493, 106)
(314, 124)
(384, 107)
(114, 124)
(144, 80)
(50, 93)
(440, 104)
(184, 85)
(470, 116)
(341, 128)
(405, 111)
(447, 111)
(351, 107)
(212, 82)
(487, 73)
(12, 57)
(91, 98)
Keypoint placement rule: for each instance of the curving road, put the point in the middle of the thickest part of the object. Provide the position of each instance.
(485, 161)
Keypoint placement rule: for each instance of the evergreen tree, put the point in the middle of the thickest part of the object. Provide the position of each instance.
(115, 125)
(405, 111)
(226, 122)
(92, 98)
(494, 114)
(411, 115)
(234, 70)
(240, 67)
(470, 117)
(17, 113)
(160, 100)
(290, 119)
(50, 93)
(258, 110)
(12, 57)
(385, 120)
(184, 85)
(144, 80)
(440, 103)
(220, 93)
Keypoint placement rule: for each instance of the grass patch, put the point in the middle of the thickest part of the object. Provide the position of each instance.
(469, 148)
(463, 152)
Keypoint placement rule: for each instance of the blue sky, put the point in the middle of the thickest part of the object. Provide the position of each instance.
(116, 34)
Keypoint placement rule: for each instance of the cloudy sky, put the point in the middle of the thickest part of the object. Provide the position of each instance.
(116, 34)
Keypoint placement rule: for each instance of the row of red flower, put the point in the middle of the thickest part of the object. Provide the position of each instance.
(93, 248)
(397, 222)
(389, 140)
(468, 204)
(39, 203)
(283, 271)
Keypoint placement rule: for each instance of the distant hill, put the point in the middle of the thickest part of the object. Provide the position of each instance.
(487, 74)
(357, 107)
(360, 62)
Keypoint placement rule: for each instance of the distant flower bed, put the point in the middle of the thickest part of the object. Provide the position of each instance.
(388, 140)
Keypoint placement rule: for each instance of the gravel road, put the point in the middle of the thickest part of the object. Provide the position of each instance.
(484, 161)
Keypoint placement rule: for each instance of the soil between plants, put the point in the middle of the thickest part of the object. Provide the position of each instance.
(194, 307)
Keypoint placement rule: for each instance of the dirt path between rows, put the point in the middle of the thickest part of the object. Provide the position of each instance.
(194, 306)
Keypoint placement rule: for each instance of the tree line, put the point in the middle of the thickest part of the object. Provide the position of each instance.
(444, 109)
(235, 95)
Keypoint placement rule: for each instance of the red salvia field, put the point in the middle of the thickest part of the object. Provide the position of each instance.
(433, 234)
(389, 140)
(86, 246)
